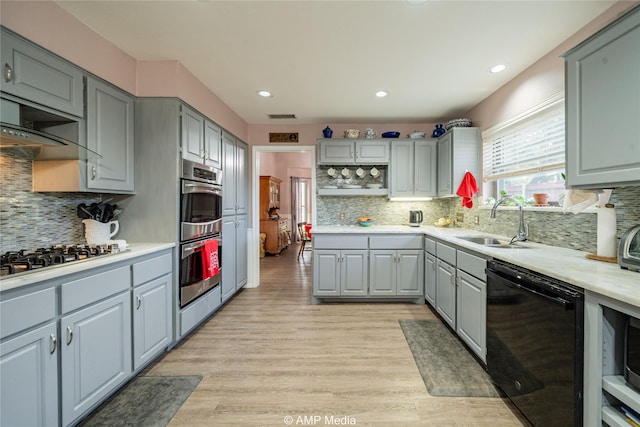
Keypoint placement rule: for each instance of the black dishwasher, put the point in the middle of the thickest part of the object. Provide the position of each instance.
(535, 337)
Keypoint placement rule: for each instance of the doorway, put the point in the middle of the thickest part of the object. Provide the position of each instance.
(284, 163)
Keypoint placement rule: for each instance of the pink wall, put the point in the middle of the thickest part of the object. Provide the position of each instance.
(50, 26)
(540, 81)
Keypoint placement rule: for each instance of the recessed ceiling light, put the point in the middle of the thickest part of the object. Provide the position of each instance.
(382, 93)
(498, 68)
(265, 93)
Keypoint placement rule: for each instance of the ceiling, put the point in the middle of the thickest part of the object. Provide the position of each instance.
(324, 60)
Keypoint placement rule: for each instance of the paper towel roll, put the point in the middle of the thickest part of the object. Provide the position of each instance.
(607, 243)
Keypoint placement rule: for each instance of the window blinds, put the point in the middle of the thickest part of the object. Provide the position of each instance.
(526, 145)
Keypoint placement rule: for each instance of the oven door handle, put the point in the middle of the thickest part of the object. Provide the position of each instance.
(189, 248)
(188, 188)
(567, 305)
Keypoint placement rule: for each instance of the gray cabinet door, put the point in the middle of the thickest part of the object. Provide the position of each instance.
(242, 225)
(110, 133)
(192, 135)
(228, 174)
(430, 278)
(402, 169)
(446, 293)
(96, 353)
(472, 313)
(410, 273)
(382, 272)
(229, 278)
(151, 319)
(29, 373)
(425, 165)
(444, 165)
(336, 152)
(353, 274)
(602, 89)
(33, 73)
(326, 272)
(371, 152)
(242, 177)
(212, 144)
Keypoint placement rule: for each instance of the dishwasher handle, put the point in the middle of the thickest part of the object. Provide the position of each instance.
(566, 304)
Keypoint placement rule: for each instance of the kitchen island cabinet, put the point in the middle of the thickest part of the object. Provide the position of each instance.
(353, 152)
(471, 305)
(340, 266)
(602, 86)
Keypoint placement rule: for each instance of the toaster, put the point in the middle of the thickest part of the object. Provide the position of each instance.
(629, 249)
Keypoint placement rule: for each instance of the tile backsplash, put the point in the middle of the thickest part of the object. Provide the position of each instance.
(573, 231)
(31, 220)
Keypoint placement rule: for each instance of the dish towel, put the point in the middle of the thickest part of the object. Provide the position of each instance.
(578, 200)
(210, 262)
(468, 188)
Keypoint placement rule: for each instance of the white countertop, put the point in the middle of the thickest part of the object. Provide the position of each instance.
(567, 265)
(134, 250)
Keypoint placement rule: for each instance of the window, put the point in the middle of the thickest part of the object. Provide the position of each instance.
(525, 155)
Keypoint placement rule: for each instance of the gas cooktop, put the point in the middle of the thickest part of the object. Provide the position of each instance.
(24, 261)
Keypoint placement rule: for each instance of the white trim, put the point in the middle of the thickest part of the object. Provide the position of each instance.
(538, 108)
(253, 257)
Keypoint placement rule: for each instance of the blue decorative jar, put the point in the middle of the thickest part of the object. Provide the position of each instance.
(438, 131)
(327, 132)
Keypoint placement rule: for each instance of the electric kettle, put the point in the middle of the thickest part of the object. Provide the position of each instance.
(415, 218)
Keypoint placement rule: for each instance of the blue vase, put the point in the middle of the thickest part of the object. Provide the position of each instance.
(327, 132)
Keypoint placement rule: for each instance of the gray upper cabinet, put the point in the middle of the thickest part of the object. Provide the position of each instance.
(413, 168)
(352, 152)
(602, 84)
(34, 74)
(201, 138)
(458, 151)
(235, 198)
(110, 133)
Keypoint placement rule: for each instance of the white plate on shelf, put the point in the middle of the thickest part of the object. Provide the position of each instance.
(351, 186)
(330, 186)
(374, 185)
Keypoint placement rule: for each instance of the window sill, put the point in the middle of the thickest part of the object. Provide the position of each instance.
(537, 209)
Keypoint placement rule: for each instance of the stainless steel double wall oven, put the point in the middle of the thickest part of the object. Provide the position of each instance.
(200, 223)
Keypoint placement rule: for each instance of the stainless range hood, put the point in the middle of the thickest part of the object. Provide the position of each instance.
(52, 136)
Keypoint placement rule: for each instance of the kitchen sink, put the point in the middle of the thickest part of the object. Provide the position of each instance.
(492, 242)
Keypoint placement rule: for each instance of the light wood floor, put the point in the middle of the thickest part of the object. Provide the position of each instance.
(270, 354)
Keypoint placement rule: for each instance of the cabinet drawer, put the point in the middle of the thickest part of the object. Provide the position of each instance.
(150, 269)
(446, 253)
(430, 245)
(396, 242)
(90, 289)
(18, 314)
(472, 264)
(339, 241)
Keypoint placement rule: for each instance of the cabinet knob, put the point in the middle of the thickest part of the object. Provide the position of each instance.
(8, 72)
(54, 343)
(69, 335)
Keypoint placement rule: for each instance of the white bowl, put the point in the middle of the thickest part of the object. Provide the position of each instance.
(416, 135)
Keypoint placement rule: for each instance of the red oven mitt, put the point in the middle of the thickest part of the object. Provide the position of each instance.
(468, 187)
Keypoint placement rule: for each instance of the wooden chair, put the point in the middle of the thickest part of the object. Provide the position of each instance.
(304, 236)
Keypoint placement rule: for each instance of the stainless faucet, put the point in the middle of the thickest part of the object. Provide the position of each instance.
(523, 229)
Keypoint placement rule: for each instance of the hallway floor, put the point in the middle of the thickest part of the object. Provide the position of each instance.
(271, 358)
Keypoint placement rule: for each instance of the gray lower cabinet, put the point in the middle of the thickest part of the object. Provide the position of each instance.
(110, 133)
(602, 87)
(471, 307)
(446, 292)
(96, 354)
(35, 74)
(396, 272)
(29, 373)
(234, 255)
(340, 272)
(430, 271)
